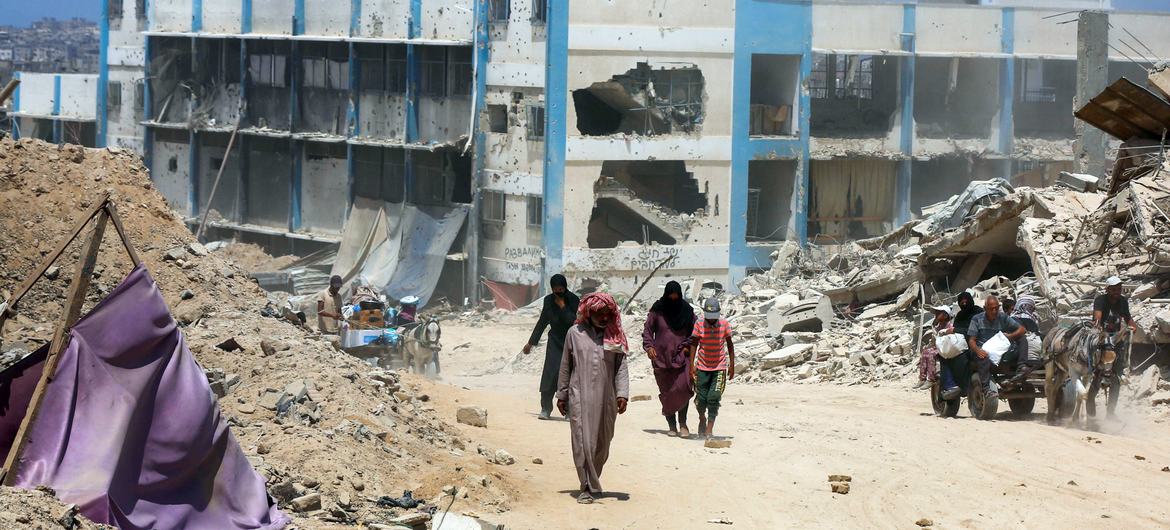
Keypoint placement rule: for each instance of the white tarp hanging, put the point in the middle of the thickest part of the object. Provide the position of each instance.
(399, 249)
(427, 235)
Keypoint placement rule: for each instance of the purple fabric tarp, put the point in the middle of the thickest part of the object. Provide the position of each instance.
(129, 429)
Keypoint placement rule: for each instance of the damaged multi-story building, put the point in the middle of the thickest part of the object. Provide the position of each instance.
(603, 140)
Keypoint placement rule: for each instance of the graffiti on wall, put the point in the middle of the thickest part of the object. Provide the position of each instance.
(649, 258)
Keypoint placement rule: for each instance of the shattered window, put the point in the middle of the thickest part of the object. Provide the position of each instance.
(114, 9)
(854, 76)
(535, 211)
(494, 206)
(498, 10)
(679, 92)
(818, 87)
(114, 95)
(539, 11)
(383, 67)
(396, 69)
(140, 12)
(434, 71)
(325, 67)
(1033, 87)
(461, 76)
(535, 122)
(267, 69)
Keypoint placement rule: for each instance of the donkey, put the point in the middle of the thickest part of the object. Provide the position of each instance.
(422, 345)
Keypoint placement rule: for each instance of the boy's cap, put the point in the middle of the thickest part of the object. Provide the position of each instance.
(711, 308)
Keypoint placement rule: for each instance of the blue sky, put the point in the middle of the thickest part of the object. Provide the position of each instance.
(22, 12)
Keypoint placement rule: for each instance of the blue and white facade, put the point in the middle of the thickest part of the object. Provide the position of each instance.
(598, 138)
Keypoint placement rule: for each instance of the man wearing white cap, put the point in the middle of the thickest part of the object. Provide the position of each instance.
(1110, 311)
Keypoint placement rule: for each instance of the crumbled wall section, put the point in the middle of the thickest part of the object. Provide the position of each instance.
(644, 100)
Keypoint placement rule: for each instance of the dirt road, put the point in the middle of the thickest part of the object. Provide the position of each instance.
(906, 464)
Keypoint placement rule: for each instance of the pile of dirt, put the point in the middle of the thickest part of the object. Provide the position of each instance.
(253, 258)
(312, 419)
(39, 509)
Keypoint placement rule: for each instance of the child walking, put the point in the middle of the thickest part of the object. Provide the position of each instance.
(714, 363)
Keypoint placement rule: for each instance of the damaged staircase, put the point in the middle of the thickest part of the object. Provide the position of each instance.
(613, 194)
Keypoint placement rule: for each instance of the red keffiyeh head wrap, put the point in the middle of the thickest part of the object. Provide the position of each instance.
(614, 335)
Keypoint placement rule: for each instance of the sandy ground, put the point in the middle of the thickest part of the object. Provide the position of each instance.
(906, 464)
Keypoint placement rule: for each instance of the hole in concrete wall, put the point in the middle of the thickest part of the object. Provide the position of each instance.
(324, 82)
(269, 79)
(644, 100)
(379, 173)
(850, 199)
(955, 97)
(774, 94)
(1044, 96)
(612, 223)
(497, 118)
(769, 211)
(173, 164)
(643, 202)
(936, 180)
(663, 183)
(853, 96)
(217, 82)
(441, 177)
(171, 78)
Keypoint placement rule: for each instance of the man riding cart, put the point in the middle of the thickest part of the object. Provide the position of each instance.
(1001, 361)
(1113, 322)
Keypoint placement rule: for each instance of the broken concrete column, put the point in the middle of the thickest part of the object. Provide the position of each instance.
(1092, 76)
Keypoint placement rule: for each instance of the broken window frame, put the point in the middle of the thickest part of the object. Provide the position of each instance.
(324, 150)
(140, 14)
(384, 69)
(861, 86)
(459, 75)
(539, 12)
(383, 168)
(535, 114)
(691, 100)
(324, 66)
(432, 175)
(139, 99)
(266, 67)
(494, 205)
(535, 211)
(1041, 94)
(114, 95)
(499, 11)
(114, 14)
(433, 72)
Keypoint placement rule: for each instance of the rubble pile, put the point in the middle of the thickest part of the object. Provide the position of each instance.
(335, 438)
(852, 314)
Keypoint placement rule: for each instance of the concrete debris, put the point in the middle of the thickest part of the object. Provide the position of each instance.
(306, 503)
(501, 457)
(1078, 181)
(717, 443)
(474, 416)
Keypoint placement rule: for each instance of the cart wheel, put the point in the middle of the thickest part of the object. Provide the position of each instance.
(1021, 406)
(943, 408)
(977, 401)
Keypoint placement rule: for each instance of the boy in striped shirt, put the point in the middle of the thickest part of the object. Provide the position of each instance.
(714, 363)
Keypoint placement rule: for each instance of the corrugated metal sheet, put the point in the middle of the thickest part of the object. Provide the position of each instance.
(1126, 110)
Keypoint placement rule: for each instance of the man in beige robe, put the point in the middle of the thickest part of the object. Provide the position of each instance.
(593, 387)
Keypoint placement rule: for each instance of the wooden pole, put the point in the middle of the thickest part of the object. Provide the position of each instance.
(646, 281)
(74, 300)
(49, 259)
(215, 185)
(8, 90)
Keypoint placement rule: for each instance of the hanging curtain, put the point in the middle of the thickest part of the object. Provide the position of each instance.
(851, 199)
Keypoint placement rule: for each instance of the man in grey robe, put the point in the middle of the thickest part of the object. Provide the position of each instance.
(594, 386)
